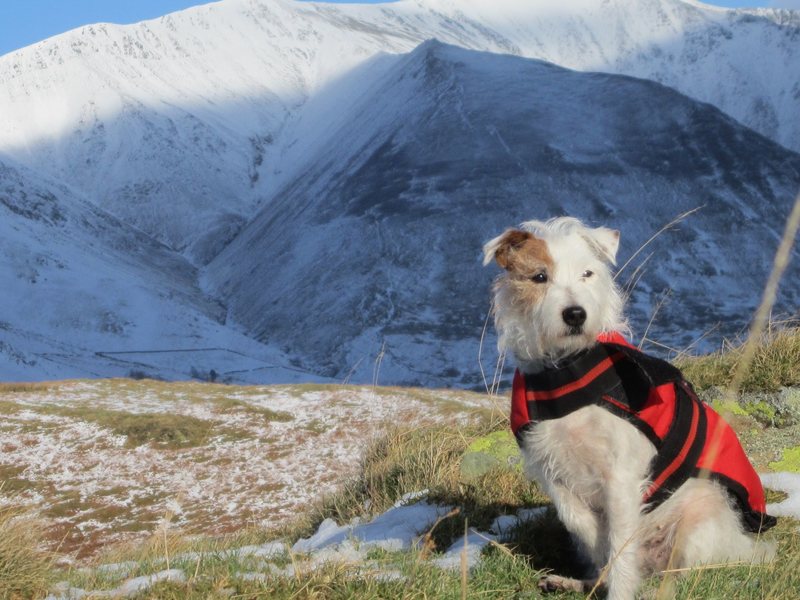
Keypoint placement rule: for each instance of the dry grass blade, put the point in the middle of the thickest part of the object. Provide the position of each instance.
(749, 349)
(376, 371)
(666, 294)
(427, 546)
(761, 319)
(672, 223)
(464, 565)
(498, 372)
(480, 354)
(636, 276)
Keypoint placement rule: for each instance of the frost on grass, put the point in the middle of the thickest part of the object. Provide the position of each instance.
(267, 452)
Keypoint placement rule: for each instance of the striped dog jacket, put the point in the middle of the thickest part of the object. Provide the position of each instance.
(690, 438)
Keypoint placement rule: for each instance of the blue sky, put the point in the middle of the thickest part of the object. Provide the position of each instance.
(24, 22)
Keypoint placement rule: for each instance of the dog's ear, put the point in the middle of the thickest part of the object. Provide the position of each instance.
(501, 247)
(606, 242)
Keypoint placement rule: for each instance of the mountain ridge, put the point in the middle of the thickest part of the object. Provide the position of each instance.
(378, 247)
(213, 93)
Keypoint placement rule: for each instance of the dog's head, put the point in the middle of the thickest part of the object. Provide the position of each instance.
(557, 292)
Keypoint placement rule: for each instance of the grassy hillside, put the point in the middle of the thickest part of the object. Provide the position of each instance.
(405, 455)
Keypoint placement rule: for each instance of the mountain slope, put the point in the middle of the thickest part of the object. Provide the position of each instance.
(81, 290)
(182, 125)
(374, 250)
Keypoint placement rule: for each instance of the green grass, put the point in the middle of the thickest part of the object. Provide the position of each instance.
(227, 404)
(166, 431)
(500, 576)
(163, 430)
(10, 480)
(9, 408)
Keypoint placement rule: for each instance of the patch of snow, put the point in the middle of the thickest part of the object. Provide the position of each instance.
(389, 575)
(268, 550)
(470, 547)
(396, 529)
(127, 589)
(411, 497)
(140, 584)
(476, 540)
(784, 482)
(503, 525)
(260, 577)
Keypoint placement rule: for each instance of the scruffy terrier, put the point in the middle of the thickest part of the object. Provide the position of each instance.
(643, 474)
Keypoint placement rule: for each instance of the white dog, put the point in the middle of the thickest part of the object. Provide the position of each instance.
(642, 473)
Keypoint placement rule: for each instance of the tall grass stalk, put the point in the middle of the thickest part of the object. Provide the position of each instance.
(666, 227)
(25, 571)
(761, 318)
(748, 352)
(759, 324)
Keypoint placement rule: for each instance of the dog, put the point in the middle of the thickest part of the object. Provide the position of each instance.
(643, 475)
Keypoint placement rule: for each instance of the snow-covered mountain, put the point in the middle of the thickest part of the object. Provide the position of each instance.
(85, 294)
(197, 113)
(376, 245)
(131, 157)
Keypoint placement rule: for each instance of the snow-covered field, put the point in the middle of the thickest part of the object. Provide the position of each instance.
(76, 454)
(108, 461)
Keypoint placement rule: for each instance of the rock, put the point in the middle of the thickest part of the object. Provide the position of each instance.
(790, 398)
(774, 409)
(498, 450)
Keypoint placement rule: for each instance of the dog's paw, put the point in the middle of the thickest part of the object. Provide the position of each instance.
(556, 583)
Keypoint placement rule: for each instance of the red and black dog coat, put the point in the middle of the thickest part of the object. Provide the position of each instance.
(690, 438)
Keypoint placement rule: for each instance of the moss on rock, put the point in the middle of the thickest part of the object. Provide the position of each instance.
(789, 462)
(497, 450)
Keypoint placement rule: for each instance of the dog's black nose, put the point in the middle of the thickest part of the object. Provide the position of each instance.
(574, 316)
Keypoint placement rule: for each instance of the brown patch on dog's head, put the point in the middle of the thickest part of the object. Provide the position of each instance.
(509, 244)
(524, 257)
(519, 252)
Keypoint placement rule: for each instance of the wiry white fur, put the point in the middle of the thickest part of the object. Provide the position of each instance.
(593, 464)
(537, 333)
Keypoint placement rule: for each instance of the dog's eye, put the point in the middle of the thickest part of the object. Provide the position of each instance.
(539, 278)
(587, 273)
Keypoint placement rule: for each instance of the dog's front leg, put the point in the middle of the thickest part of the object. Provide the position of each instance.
(580, 520)
(623, 510)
